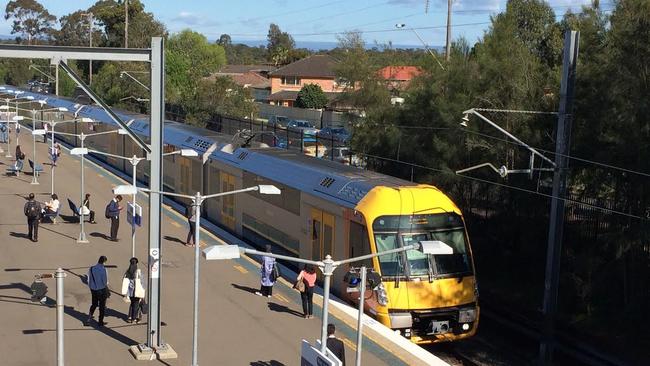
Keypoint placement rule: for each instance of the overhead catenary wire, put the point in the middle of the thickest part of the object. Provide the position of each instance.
(452, 173)
(500, 139)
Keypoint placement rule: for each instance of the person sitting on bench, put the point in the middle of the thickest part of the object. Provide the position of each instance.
(52, 207)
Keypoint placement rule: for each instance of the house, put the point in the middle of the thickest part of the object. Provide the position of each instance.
(254, 77)
(399, 77)
(287, 81)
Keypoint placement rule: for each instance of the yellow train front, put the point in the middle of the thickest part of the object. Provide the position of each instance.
(427, 298)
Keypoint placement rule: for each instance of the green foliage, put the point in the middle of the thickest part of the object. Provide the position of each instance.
(189, 58)
(30, 19)
(111, 18)
(311, 96)
(279, 45)
(221, 96)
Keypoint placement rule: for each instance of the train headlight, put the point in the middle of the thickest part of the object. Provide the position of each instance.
(466, 315)
(382, 296)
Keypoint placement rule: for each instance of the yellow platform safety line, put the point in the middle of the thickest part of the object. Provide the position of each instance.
(241, 269)
(99, 175)
(350, 344)
(281, 280)
(174, 223)
(281, 298)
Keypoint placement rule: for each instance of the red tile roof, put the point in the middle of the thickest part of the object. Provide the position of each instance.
(399, 73)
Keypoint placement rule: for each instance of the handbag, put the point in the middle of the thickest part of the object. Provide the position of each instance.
(275, 273)
(299, 285)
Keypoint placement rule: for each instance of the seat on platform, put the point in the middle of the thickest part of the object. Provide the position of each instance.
(38, 169)
(15, 169)
(73, 207)
(52, 216)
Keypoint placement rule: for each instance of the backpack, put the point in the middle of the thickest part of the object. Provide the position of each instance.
(107, 212)
(32, 210)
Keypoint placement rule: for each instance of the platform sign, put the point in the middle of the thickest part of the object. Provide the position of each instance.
(138, 214)
(312, 356)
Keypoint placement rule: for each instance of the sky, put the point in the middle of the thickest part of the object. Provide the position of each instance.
(321, 20)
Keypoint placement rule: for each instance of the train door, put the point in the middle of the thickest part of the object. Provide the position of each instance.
(228, 202)
(322, 234)
(185, 185)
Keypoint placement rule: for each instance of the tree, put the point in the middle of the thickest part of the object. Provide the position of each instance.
(224, 41)
(142, 25)
(221, 96)
(74, 30)
(311, 96)
(30, 19)
(190, 57)
(278, 43)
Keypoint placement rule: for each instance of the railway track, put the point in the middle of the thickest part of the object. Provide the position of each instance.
(511, 340)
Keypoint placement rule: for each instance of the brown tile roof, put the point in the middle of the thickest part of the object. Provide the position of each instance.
(251, 79)
(400, 73)
(317, 66)
(242, 69)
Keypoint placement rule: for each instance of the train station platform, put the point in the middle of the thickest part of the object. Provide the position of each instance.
(236, 327)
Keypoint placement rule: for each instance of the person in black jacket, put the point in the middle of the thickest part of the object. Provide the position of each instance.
(33, 212)
(113, 213)
(334, 344)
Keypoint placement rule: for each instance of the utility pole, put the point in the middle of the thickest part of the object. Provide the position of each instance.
(90, 44)
(448, 46)
(126, 24)
(556, 224)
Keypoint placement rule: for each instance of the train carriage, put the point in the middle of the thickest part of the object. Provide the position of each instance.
(325, 208)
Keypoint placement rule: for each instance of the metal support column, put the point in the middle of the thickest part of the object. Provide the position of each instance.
(362, 293)
(328, 270)
(60, 350)
(556, 224)
(155, 184)
(82, 235)
(197, 231)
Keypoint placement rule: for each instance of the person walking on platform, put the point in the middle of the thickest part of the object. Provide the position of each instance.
(133, 290)
(334, 344)
(33, 212)
(113, 212)
(85, 206)
(98, 284)
(308, 275)
(20, 159)
(191, 221)
(269, 273)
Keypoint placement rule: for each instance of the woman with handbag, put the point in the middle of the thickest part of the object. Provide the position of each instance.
(133, 290)
(308, 279)
(269, 272)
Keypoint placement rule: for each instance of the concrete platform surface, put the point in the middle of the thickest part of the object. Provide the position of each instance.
(237, 327)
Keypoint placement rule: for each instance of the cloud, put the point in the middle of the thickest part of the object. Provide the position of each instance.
(187, 18)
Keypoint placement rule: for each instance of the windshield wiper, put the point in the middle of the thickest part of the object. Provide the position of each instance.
(430, 268)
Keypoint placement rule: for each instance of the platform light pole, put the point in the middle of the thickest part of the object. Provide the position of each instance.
(35, 133)
(327, 266)
(53, 125)
(6, 108)
(197, 201)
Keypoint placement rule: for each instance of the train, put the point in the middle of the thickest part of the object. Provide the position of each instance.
(326, 208)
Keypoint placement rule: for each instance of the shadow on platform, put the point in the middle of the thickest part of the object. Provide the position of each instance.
(283, 309)
(244, 288)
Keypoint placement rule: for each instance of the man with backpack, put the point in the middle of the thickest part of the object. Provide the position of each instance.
(113, 212)
(33, 212)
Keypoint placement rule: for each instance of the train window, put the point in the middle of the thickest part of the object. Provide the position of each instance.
(288, 200)
(264, 232)
(359, 243)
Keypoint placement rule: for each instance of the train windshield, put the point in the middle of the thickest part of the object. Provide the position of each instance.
(396, 231)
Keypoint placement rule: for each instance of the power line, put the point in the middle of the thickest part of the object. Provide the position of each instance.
(449, 172)
(500, 139)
